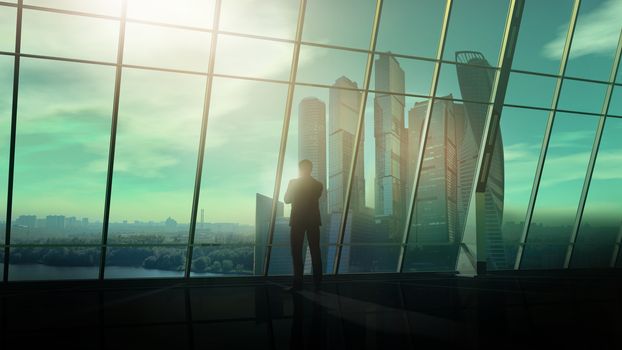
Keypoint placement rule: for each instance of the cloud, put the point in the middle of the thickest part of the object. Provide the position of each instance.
(597, 32)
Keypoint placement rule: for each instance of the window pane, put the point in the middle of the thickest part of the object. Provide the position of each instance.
(615, 105)
(560, 188)
(522, 131)
(476, 25)
(444, 186)
(307, 139)
(69, 39)
(155, 46)
(582, 96)
(253, 58)
(61, 151)
(530, 90)
(273, 18)
(408, 19)
(324, 66)
(46, 263)
(155, 162)
(104, 7)
(6, 85)
(601, 217)
(414, 76)
(374, 230)
(239, 167)
(595, 39)
(542, 35)
(145, 262)
(194, 13)
(7, 28)
(343, 23)
(450, 161)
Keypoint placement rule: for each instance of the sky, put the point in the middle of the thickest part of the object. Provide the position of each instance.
(64, 110)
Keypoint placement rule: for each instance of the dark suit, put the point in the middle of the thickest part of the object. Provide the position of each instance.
(304, 195)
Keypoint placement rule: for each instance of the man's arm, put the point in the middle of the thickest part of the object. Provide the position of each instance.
(289, 193)
(320, 188)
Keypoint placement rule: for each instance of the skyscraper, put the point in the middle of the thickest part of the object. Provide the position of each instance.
(390, 147)
(435, 219)
(343, 107)
(475, 77)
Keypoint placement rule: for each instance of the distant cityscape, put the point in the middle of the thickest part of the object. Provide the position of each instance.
(373, 234)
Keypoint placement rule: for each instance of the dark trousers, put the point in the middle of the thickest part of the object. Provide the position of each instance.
(297, 240)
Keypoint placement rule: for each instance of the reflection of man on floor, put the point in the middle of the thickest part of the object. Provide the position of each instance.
(304, 193)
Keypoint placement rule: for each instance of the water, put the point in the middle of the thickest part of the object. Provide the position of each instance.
(40, 272)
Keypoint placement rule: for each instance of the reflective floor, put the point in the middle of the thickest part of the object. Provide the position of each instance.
(431, 312)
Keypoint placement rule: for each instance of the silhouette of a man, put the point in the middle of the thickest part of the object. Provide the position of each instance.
(304, 193)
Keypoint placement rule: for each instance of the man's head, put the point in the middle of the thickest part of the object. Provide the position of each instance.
(304, 167)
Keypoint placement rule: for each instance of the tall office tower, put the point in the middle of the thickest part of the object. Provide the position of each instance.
(263, 210)
(475, 77)
(312, 140)
(343, 108)
(389, 134)
(435, 219)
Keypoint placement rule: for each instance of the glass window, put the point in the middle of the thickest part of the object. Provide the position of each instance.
(104, 7)
(530, 90)
(407, 75)
(154, 46)
(615, 105)
(69, 39)
(193, 13)
(8, 16)
(51, 263)
(239, 167)
(307, 139)
(595, 39)
(384, 176)
(580, 96)
(542, 35)
(560, 188)
(522, 131)
(61, 151)
(402, 23)
(156, 155)
(324, 66)
(255, 58)
(272, 18)
(6, 85)
(601, 221)
(476, 25)
(344, 23)
(145, 262)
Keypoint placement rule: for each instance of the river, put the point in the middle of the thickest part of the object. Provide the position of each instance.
(38, 272)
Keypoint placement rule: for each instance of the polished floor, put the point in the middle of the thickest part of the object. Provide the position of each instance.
(412, 312)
